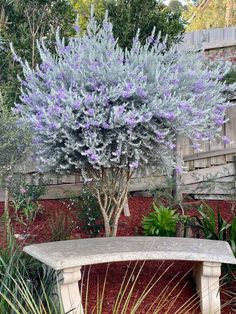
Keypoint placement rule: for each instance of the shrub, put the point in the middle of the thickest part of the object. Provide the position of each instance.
(97, 109)
(25, 196)
(89, 214)
(17, 267)
(161, 222)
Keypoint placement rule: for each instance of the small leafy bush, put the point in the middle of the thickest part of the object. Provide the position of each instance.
(161, 222)
(215, 227)
(88, 212)
(25, 198)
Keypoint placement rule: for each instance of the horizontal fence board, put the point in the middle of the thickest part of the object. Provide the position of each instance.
(201, 175)
(210, 38)
(209, 188)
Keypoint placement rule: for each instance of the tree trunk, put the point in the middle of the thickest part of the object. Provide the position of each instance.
(111, 190)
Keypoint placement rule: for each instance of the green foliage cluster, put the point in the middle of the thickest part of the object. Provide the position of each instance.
(127, 16)
(161, 222)
(22, 23)
(17, 268)
(14, 143)
(210, 15)
(25, 196)
(88, 213)
(215, 227)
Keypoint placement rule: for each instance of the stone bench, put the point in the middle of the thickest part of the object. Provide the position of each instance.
(68, 257)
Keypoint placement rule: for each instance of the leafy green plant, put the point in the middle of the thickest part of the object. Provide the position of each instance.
(88, 212)
(161, 222)
(127, 300)
(214, 227)
(17, 267)
(186, 225)
(61, 226)
(232, 235)
(24, 201)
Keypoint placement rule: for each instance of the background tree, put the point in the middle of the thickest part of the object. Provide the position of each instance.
(104, 112)
(127, 16)
(14, 145)
(175, 5)
(210, 14)
(23, 23)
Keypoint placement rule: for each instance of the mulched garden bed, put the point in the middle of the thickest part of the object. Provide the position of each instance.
(177, 276)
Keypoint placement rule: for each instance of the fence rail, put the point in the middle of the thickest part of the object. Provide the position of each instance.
(210, 38)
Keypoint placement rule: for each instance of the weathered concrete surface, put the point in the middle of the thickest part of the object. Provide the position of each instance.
(74, 253)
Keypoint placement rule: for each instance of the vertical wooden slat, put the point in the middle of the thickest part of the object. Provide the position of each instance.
(230, 130)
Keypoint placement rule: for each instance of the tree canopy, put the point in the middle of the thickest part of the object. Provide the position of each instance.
(210, 14)
(127, 16)
(22, 23)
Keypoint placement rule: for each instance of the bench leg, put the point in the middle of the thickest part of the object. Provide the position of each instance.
(69, 290)
(207, 275)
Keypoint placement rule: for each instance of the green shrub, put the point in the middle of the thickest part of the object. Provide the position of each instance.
(161, 222)
(25, 198)
(215, 227)
(17, 267)
(88, 213)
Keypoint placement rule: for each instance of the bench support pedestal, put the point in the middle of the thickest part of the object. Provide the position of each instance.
(207, 275)
(69, 290)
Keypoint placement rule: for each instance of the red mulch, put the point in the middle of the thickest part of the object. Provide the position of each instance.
(177, 276)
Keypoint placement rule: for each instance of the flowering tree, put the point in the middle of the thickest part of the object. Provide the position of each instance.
(105, 112)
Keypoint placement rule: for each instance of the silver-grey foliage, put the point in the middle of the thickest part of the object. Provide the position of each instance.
(91, 105)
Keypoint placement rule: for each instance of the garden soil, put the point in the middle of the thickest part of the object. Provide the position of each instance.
(174, 288)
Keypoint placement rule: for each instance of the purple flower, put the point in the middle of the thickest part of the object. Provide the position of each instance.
(160, 135)
(77, 104)
(61, 94)
(198, 136)
(117, 152)
(106, 125)
(179, 170)
(87, 125)
(131, 121)
(134, 165)
(76, 28)
(219, 121)
(197, 146)
(184, 106)
(140, 92)
(88, 99)
(121, 109)
(95, 123)
(91, 111)
(226, 140)
(128, 91)
(167, 93)
(174, 82)
(94, 157)
(168, 115)
(198, 87)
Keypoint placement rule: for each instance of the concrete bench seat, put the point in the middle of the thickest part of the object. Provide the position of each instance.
(69, 256)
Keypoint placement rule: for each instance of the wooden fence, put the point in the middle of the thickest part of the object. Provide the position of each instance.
(210, 38)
